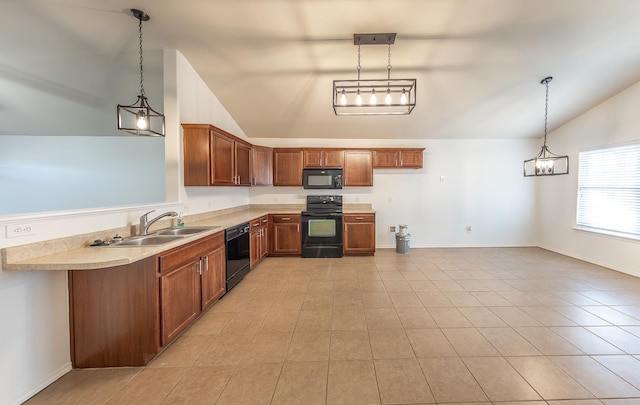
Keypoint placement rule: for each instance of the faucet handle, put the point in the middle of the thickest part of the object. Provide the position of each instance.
(145, 215)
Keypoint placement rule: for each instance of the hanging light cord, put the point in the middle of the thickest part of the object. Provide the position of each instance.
(389, 66)
(358, 65)
(546, 109)
(141, 72)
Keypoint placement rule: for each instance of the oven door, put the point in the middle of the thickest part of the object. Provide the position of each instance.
(321, 234)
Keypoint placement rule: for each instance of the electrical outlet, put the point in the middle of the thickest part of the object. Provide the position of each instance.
(468, 228)
(389, 199)
(14, 231)
(392, 229)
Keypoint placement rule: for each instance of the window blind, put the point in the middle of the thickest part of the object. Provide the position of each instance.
(609, 190)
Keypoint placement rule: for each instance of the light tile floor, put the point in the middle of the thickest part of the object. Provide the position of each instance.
(432, 326)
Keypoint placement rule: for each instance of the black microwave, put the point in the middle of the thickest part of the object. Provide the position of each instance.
(322, 178)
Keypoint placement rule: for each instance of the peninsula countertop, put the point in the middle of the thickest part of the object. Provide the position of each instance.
(73, 253)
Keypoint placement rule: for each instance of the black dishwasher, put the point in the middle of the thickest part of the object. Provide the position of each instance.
(237, 244)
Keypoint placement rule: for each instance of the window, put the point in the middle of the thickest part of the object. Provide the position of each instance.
(609, 190)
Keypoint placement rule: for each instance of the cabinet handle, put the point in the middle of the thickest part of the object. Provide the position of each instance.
(286, 219)
(206, 263)
(200, 266)
(264, 221)
(359, 218)
(238, 179)
(297, 227)
(396, 162)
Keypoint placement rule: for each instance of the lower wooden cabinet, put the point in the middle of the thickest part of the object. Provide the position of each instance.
(284, 233)
(258, 240)
(125, 315)
(113, 315)
(192, 277)
(359, 234)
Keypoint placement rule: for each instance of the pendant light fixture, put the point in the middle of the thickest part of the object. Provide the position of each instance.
(399, 94)
(139, 118)
(546, 163)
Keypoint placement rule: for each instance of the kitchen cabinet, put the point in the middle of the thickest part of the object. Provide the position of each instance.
(125, 315)
(358, 168)
(113, 315)
(192, 277)
(398, 158)
(258, 240)
(323, 158)
(213, 157)
(287, 167)
(359, 234)
(284, 235)
(261, 166)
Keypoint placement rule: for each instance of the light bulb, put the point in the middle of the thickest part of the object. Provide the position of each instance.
(343, 98)
(141, 120)
(373, 99)
(387, 98)
(403, 97)
(358, 98)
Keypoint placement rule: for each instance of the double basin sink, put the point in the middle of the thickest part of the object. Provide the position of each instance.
(161, 237)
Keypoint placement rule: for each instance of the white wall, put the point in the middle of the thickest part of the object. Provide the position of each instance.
(612, 122)
(482, 187)
(198, 105)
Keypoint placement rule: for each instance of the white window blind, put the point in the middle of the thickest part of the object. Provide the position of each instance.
(609, 190)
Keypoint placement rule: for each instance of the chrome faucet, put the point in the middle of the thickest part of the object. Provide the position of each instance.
(145, 223)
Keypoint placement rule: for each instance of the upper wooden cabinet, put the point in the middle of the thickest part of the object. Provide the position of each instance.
(323, 157)
(358, 168)
(398, 158)
(287, 167)
(213, 157)
(261, 166)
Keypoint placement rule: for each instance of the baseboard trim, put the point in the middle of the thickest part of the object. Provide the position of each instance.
(42, 385)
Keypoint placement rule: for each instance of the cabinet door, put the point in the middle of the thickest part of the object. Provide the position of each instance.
(287, 167)
(213, 276)
(284, 237)
(222, 155)
(197, 159)
(180, 300)
(254, 247)
(359, 236)
(262, 166)
(385, 158)
(411, 158)
(333, 158)
(243, 164)
(312, 158)
(358, 168)
(264, 240)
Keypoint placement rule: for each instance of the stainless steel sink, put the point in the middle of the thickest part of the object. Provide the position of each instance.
(188, 230)
(148, 240)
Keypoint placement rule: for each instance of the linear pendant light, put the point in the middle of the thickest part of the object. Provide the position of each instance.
(139, 118)
(546, 163)
(378, 96)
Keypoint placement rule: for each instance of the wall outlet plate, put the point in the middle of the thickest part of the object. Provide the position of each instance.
(14, 231)
(392, 229)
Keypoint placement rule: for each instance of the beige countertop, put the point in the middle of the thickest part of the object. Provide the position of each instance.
(73, 253)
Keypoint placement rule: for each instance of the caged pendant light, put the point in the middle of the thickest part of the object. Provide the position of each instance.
(546, 163)
(139, 118)
(374, 97)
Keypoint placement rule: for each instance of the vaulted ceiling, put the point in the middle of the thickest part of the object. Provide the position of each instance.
(478, 63)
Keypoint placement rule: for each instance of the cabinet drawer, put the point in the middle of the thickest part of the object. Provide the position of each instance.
(184, 254)
(285, 219)
(359, 217)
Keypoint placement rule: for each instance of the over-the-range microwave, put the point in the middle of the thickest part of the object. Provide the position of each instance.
(322, 178)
